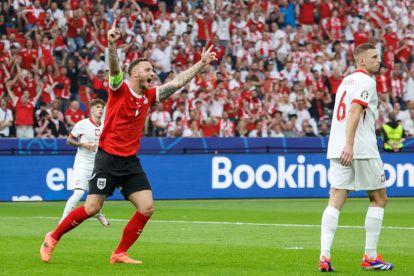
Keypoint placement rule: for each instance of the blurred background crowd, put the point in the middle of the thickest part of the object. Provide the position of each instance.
(279, 62)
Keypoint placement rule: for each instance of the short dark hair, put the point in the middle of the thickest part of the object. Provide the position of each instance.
(97, 102)
(363, 48)
(136, 62)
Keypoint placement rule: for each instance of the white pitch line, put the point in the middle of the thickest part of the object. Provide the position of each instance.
(231, 223)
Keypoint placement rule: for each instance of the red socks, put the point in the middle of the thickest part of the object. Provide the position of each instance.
(73, 219)
(132, 231)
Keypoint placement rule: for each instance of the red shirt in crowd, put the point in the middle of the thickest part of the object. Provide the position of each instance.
(205, 29)
(75, 116)
(391, 39)
(100, 84)
(382, 83)
(335, 83)
(125, 119)
(73, 26)
(24, 113)
(31, 87)
(306, 14)
(28, 58)
(62, 90)
(46, 97)
(360, 38)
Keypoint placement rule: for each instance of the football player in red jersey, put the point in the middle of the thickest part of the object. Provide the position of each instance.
(116, 161)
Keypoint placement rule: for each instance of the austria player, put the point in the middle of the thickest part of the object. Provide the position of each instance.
(116, 162)
(355, 163)
(85, 135)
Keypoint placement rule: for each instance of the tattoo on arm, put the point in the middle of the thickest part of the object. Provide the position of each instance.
(113, 59)
(167, 89)
(73, 142)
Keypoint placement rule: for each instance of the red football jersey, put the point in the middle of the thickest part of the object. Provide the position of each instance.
(124, 120)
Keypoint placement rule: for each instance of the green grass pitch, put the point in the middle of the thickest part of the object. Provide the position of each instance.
(205, 237)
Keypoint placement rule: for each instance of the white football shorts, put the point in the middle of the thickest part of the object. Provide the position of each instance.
(362, 174)
(82, 173)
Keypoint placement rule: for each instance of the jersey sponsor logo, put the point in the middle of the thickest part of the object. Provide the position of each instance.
(136, 112)
(364, 95)
(101, 183)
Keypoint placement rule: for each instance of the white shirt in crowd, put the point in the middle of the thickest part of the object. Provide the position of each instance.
(7, 117)
(95, 66)
(216, 107)
(163, 118)
(163, 57)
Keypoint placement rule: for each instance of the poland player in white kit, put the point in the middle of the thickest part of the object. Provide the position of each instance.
(87, 133)
(355, 162)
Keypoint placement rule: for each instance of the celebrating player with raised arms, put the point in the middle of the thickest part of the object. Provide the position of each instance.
(355, 162)
(116, 162)
(85, 135)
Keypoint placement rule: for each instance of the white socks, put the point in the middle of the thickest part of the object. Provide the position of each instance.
(329, 224)
(373, 224)
(72, 202)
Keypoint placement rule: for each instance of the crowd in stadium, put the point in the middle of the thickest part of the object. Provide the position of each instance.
(279, 62)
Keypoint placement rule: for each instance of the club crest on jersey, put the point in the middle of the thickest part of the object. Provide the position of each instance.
(145, 100)
(101, 183)
(97, 131)
(364, 95)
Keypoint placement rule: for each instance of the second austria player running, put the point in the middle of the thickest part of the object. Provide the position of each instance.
(116, 163)
(355, 162)
(85, 135)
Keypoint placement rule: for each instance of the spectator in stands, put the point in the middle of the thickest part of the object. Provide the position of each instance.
(226, 126)
(310, 57)
(176, 128)
(209, 128)
(193, 130)
(160, 120)
(57, 127)
(73, 115)
(42, 125)
(393, 134)
(96, 64)
(24, 108)
(162, 57)
(6, 118)
(408, 125)
(100, 85)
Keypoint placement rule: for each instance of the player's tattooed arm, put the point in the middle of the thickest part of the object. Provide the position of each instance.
(167, 89)
(75, 143)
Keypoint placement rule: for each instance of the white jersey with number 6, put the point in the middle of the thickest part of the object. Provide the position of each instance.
(359, 88)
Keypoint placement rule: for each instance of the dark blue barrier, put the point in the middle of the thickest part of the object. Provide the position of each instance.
(186, 145)
(47, 177)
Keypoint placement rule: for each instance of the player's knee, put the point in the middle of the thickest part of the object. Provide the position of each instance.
(92, 208)
(147, 210)
(380, 201)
